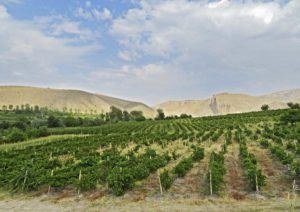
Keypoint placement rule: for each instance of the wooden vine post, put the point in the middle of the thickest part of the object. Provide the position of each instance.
(49, 188)
(256, 184)
(160, 186)
(79, 178)
(294, 195)
(210, 183)
(25, 179)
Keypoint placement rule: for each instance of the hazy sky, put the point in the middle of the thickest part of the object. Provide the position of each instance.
(151, 50)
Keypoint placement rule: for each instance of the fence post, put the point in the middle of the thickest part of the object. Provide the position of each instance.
(256, 184)
(25, 179)
(161, 190)
(210, 183)
(294, 194)
(49, 188)
(79, 178)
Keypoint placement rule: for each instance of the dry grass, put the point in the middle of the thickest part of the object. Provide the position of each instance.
(80, 203)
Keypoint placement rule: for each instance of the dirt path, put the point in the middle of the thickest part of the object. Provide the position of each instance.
(278, 182)
(235, 178)
(149, 187)
(194, 183)
(190, 185)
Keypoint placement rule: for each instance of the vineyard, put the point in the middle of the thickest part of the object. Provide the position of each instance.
(233, 156)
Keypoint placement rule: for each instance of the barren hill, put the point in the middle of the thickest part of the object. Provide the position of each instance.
(225, 103)
(67, 99)
(76, 100)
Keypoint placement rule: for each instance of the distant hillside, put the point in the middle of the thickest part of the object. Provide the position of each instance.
(225, 103)
(219, 104)
(67, 99)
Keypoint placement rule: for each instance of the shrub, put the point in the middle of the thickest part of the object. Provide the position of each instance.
(183, 167)
(198, 154)
(120, 180)
(16, 135)
(166, 180)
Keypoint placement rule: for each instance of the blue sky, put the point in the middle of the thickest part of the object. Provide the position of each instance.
(154, 50)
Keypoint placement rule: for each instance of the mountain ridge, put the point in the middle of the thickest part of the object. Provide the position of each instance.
(224, 103)
(218, 104)
(67, 98)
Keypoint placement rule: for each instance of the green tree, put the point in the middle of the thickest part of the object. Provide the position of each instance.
(115, 114)
(4, 107)
(53, 121)
(160, 114)
(293, 105)
(27, 107)
(126, 116)
(137, 115)
(10, 107)
(22, 122)
(184, 116)
(71, 122)
(265, 107)
(291, 117)
(36, 108)
(16, 135)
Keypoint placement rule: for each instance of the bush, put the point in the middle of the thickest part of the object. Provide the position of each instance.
(16, 135)
(292, 117)
(140, 171)
(198, 154)
(265, 107)
(183, 167)
(53, 121)
(264, 143)
(166, 180)
(120, 180)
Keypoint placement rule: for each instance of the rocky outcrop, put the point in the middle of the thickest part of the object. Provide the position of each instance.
(225, 103)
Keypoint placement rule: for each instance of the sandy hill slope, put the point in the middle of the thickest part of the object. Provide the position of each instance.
(70, 99)
(225, 103)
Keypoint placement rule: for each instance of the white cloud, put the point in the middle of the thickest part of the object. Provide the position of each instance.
(145, 73)
(102, 15)
(93, 13)
(59, 25)
(30, 55)
(88, 4)
(215, 43)
(3, 12)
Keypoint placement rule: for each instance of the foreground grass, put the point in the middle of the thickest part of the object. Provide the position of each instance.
(38, 141)
(83, 203)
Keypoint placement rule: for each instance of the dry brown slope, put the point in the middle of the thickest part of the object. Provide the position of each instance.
(225, 103)
(70, 99)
